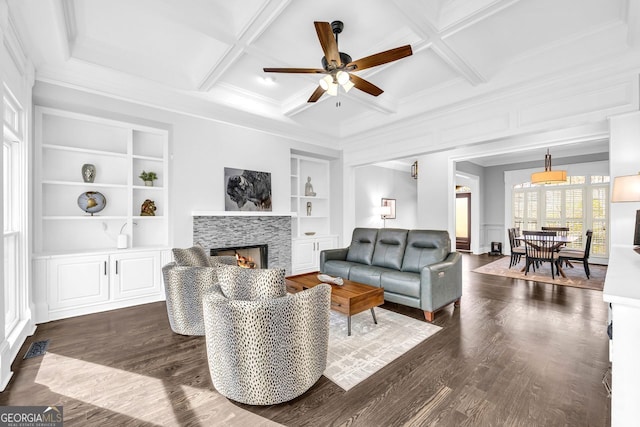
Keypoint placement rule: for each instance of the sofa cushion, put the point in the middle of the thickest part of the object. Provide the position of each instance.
(362, 244)
(338, 268)
(247, 284)
(389, 249)
(401, 283)
(425, 247)
(367, 274)
(195, 256)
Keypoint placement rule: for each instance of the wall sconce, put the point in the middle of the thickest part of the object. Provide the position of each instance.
(387, 210)
(414, 170)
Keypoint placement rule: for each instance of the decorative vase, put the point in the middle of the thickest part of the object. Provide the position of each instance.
(122, 241)
(88, 172)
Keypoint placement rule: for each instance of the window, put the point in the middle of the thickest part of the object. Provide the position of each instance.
(12, 219)
(580, 204)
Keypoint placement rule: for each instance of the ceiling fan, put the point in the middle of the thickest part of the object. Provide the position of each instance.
(339, 67)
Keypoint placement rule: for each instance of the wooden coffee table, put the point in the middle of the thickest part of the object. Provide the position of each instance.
(350, 298)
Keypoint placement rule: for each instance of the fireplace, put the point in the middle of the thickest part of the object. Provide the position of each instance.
(239, 229)
(252, 256)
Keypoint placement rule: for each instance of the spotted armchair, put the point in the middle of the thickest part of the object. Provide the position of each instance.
(265, 346)
(184, 287)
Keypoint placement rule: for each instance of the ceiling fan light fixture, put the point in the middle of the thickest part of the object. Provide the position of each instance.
(328, 84)
(333, 89)
(347, 86)
(325, 82)
(343, 77)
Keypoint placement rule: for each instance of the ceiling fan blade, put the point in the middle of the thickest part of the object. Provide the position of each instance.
(328, 43)
(365, 86)
(316, 94)
(381, 58)
(294, 70)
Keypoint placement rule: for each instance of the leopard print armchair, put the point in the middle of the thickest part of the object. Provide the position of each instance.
(265, 351)
(184, 287)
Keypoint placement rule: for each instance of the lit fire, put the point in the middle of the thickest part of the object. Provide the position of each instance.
(245, 262)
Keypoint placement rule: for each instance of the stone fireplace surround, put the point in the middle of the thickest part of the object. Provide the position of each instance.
(227, 229)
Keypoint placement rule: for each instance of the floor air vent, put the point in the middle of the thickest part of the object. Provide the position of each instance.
(37, 348)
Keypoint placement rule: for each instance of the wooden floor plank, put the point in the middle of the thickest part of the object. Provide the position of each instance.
(515, 353)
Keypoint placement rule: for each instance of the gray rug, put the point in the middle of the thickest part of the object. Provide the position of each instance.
(352, 359)
(576, 276)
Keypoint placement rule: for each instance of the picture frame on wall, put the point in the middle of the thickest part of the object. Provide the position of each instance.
(247, 190)
(392, 204)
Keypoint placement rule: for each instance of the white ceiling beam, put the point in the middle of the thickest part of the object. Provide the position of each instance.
(428, 31)
(265, 16)
(475, 17)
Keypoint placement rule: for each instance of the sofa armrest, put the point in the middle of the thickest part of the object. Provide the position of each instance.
(441, 282)
(332, 254)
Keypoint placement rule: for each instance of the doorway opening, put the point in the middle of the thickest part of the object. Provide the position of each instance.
(463, 221)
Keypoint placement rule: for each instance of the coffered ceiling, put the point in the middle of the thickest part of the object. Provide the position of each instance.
(205, 57)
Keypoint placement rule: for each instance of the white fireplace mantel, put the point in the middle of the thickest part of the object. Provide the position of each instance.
(242, 213)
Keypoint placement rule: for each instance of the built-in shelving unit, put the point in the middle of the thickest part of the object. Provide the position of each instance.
(310, 227)
(120, 152)
(78, 268)
(317, 221)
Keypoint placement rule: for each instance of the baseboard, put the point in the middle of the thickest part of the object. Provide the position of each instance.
(101, 307)
(10, 348)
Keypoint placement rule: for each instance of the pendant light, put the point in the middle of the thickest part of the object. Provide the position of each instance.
(548, 176)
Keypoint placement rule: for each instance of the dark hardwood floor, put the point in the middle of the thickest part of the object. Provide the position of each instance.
(516, 353)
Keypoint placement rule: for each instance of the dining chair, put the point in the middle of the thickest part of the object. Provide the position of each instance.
(517, 251)
(540, 247)
(577, 255)
(560, 231)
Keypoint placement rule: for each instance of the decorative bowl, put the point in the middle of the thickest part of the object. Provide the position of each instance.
(310, 233)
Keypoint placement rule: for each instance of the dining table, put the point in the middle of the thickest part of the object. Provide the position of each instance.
(558, 242)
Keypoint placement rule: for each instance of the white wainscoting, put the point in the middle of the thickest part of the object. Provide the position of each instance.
(493, 233)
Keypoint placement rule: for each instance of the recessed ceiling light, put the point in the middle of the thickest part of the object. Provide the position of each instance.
(268, 80)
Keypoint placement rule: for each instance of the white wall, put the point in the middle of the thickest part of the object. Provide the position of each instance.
(372, 183)
(624, 159)
(436, 201)
(199, 150)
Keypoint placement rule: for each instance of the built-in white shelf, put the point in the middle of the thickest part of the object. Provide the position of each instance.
(84, 184)
(83, 217)
(83, 150)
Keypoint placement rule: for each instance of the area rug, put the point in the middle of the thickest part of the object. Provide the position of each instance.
(352, 359)
(575, 276)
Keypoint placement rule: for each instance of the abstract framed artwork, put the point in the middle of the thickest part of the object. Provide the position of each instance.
(247, 190)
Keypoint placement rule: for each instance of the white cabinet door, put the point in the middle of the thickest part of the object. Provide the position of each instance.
(323, 243)
(135, 274)
(78, 280)
(306, 253)
(303, 257)
(326, 243)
